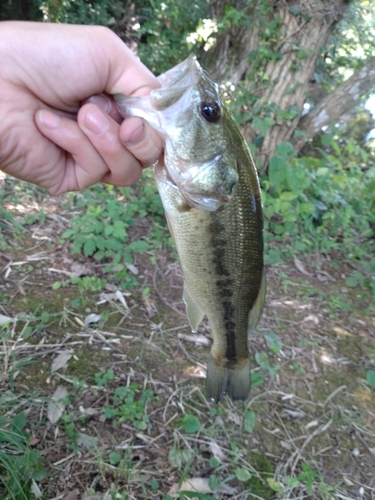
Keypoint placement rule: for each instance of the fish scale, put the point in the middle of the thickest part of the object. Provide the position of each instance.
(211, 195)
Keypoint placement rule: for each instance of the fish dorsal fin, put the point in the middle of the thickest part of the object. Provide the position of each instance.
(194, 314)
(256, 311)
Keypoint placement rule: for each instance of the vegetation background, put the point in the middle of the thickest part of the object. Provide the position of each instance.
(297, 75)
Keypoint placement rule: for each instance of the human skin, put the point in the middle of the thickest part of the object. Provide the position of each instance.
(59, 125)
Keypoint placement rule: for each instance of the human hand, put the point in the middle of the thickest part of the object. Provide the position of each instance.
(59, 126)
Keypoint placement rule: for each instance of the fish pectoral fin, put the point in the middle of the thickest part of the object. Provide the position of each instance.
(222, 381)
(257, 309)
(169, 226)
(194, 314)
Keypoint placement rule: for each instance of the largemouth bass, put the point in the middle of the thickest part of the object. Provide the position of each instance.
(210, 192)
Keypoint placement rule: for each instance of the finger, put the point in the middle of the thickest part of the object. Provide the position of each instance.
(81, 167)
(107, 104)
(103, 133)
(141, 140)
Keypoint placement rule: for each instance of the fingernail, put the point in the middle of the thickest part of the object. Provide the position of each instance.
(97, 122)
(49, 120)
(102, 101)
(136, 135)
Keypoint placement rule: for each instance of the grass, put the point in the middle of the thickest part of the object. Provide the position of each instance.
(21, 465)
(135, 422)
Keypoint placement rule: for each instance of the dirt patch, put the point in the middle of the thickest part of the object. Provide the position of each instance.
(314, 435)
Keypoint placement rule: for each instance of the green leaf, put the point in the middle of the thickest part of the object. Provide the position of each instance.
(214, 482)
(295, 10)
(214, 462)
(277, 171)
(194, 495)
(262, 359)
(288, 196)
(68, 233)
(154, 484)
(350, 281)
(322, 171)
(191, 424)
(292, 481)
(114, 458)
(285, 149)
(119, 230)
(274, 342)
(109, 412)
(263, 124)
(27, 332)
(370, 378)
(56, 285)
(242, 475)
(256, 379)
(249, 421)
(89, 248)
(327, 139)
(275, 485)
(113, 244)
(19, 422)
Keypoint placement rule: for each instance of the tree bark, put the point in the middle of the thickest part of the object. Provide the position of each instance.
(334, 105)
(302, 37)
(227, 60)
(283, 82)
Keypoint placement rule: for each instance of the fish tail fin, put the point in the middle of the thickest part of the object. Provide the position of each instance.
(223, 381)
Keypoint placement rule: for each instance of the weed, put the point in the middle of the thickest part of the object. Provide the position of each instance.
(129, 405)
(21, 466)
(104, 376)
(370, 378)
(101, 231)
(320, 205)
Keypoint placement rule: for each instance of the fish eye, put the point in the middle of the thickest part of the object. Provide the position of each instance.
(210, 111)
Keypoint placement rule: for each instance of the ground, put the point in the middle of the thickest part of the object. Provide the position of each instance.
(134, 422)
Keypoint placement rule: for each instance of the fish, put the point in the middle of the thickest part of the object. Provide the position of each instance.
(210, 191)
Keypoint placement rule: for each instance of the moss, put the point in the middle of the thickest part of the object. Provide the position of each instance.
(88, 363)
(259, 486)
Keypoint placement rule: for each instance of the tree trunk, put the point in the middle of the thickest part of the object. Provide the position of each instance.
(302, 37)
(334, 105)
(282, 82)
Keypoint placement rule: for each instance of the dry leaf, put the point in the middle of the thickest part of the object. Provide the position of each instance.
(35, 490)
(4, 319)
(198, 484)
(197, 339)
(78, 269)
(217, 451)
(121, 299)
(61, 360)
(132, 268)
(311, 317)
(86, 441)
(235, 418)
(301, 268)
(92, 318)
(71, 495)
(56, 407)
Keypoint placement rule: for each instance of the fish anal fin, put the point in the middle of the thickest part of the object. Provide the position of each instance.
(194, 314)
(257, 309)
(222, 381)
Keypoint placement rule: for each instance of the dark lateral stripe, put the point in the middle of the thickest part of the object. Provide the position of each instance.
(224, 285)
